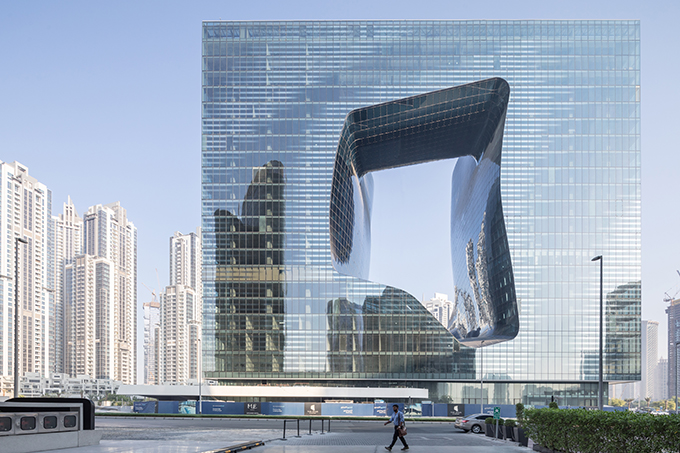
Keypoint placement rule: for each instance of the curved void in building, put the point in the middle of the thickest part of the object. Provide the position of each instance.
(463, 123)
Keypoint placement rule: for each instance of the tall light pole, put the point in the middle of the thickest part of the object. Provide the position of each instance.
(600, 396)
(200, 376)
(481, 381)
(16, 313)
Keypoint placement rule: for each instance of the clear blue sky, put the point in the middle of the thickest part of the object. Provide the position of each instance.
(101, 100)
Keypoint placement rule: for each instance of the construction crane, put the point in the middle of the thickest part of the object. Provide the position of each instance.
(668, 297)
(153, 293)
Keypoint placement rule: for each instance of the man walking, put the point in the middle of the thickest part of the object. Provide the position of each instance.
(398, 419)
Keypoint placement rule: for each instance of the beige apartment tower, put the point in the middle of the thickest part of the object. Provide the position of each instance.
(181, 312)
(68, 243)
(25, 213)
(109, 235)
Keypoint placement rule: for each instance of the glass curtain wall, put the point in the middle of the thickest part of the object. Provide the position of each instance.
(274, 98)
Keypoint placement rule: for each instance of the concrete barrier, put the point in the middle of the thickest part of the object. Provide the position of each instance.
(54, 423)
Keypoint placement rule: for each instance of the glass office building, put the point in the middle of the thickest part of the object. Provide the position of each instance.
(275, 97)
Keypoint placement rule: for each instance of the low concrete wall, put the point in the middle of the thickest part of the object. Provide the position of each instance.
(27, 443)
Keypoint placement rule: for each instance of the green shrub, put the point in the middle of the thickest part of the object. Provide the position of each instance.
(501, 422)
(510, 423)
(553, 405)
(519, 411)
(489, 420)
(585, 431)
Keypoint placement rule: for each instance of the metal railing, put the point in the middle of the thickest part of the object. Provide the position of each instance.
(285, 421)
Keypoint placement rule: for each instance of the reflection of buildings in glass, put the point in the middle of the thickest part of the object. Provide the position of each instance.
(301, 80)
(485, 293)
(475, 394)
(588, 366)
(345, 336)
(464, 122)
(396, 323)
(441, 308)
(250, 304)
(501, 389)
(621, 354)
(562, 394)
(622, 333)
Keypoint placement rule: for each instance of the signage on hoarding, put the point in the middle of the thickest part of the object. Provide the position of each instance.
(252, 408)
(312, 408)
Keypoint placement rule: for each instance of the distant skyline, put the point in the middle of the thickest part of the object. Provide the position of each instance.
(102, 102)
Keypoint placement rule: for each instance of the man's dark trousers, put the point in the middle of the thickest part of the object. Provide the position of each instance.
(396, 435)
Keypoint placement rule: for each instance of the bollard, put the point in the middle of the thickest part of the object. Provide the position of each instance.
(322, 427)
(329, 425)
(284, 430)
(310, 427)
(298, 428)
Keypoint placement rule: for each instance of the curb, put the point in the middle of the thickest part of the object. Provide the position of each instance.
(239, 447)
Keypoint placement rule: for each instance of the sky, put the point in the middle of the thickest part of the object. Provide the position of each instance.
(101, 100)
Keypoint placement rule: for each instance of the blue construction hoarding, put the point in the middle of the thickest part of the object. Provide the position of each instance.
(381, 409)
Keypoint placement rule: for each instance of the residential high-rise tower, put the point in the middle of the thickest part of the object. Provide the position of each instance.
(673, 311)
(650, 357)
(180, 312)
(152, 317)
(25, 213)
(109, 235)
(92, 348)
(68, 243)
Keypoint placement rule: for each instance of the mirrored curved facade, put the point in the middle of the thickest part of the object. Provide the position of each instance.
(275, 96)
(463, 122)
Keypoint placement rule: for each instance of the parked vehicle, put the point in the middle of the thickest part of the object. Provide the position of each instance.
(474, 423)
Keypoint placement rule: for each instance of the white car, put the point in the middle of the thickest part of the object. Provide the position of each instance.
(474, 423)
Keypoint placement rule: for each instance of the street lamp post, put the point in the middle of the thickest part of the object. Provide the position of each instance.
(481, 380)
(16, 313)
(600, 396)
(200, 376)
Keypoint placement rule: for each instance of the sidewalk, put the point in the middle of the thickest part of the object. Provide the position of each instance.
(152, 446)
(327, 443)
(355, 443)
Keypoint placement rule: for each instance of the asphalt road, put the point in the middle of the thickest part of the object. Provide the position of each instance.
(149, 428)
(345, 435)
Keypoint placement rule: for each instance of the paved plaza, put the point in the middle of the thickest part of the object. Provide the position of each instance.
(189, 435)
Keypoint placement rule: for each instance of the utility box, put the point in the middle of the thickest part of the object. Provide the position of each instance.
(48, 422)
(6, 424)
(25, 423)
(70, 421)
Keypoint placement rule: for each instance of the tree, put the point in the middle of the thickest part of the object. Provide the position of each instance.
(648, 399)
(118, 400)
(616, 402)
(629, 400)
